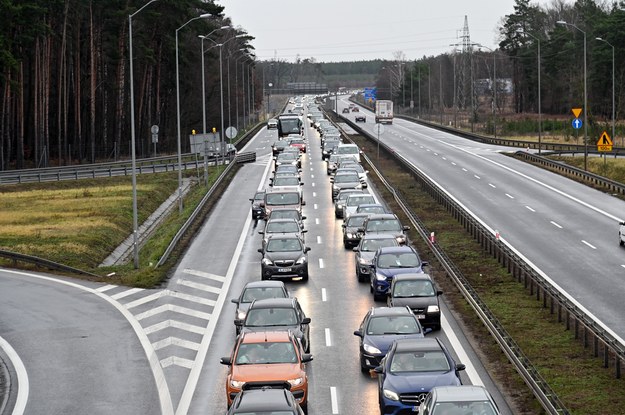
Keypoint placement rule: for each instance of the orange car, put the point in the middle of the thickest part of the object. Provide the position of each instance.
(269, 356)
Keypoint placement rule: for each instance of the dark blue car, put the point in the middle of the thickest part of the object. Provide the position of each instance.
(391, 261)
(411, 368)
(380, 327)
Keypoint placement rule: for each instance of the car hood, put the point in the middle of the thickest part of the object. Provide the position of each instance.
(271, 372)
(391, 272)
(352, 229)
(383, 342)
(367, 255)
(347, 185)
(283, 256)
(411, 382)
(414, 302)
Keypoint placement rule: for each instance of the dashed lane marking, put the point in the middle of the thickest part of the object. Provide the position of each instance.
(557, 225)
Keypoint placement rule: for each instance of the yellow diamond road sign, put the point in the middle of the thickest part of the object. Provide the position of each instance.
(576, 112)
(604, 143)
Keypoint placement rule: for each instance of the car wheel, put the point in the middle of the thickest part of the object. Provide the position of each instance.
(305, 408)
(305, 277)
(360, 277)
(620, 240)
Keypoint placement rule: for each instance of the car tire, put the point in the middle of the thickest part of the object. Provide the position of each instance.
(360, 277)
(305, 408)
(620, 240)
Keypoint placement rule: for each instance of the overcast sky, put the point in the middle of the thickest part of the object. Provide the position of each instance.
(348, 30)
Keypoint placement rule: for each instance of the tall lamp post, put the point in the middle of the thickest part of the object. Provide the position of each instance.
(494, 89)
(613, 102)
(135, 221)
(203, 77)
(562, 22)
(202, 16)
(539, 100)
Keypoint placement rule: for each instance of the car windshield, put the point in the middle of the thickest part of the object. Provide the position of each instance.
(260, 293)
(286, 181)
(382, 325)
(420, 288)
(423, 361)
(405, 260)
(279, 144)
(278, 227)
(383, 225)
(334, 158)
(355, 221)
(266, 353)
(267, 317)
(353, 166)
(287, 157)
(277, 199)
(346, 178)
(296, 141)
(284, 245)
(347, 150)
(370, 209)
(287, 168)
(359, 200)
(461, 408)
(372, 245)
(259, 196)
(284, 214)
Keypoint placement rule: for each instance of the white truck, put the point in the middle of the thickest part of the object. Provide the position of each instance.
(384, 111)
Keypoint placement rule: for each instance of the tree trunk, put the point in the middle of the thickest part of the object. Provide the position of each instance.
(61, 92)
(92, 98)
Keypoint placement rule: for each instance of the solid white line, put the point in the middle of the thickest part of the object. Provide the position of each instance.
(510, 196)
(587, 244)
(334, 400)
(556, 224)
(492, 185)
(126, 293)
(530, 209)
(321, 263)
(318, 239)
(462, 354)
(324, 295)
(106, 288)
(23, 385)
(328, 338)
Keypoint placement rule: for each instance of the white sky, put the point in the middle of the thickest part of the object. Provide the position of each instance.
(348, 30)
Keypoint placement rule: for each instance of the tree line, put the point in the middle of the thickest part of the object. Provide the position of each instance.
(64, 77)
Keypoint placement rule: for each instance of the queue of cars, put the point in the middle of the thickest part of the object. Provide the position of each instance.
(267, 365)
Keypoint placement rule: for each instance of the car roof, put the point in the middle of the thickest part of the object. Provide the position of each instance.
(264, 283)
(382, 216)
(412, 276)
(265, 336)
(274, 303)
(464, 393)
(396, 249)
(416, 345)
(390, 311)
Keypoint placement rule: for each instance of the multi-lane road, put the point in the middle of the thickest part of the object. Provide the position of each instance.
(85, 347)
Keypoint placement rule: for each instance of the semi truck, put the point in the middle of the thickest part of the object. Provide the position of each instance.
(384, 111)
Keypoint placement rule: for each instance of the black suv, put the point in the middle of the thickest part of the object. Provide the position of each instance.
(418, 292)
(284, 256)
(258, 205)
(278, 314)
(386, 223)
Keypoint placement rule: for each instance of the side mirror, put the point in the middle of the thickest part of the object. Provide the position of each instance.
(343, 226)
(270, 184)
(301, 183)
(406, 228)
(307, 357)
(306, 320)
(225, 361)
(260, 250)
(439, 292)
(251, 200)
(427, 330)
(235, 300)
(331, 179)
(304, 230)
(364, 185)
(358, 333)
(261, 232)
(238, 322)
(307, 249)
(303, 217)
(378, 369)
(303, 203)
(425, 264)
(355, 249)
(460, 366)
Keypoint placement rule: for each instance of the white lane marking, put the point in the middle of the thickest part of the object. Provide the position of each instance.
(623, 265)
(311, 169)
(199, 286)
(334, 400)
(23, 388)
(318, 239)
(312, 176)
(321, 265)
(588, 244)
(173, 308)
(176, 324)
(530, 209)
(328, 338)
(492, 185)
(324, 294)
(204, 274)
(463, 169)
(445, 158)
(315, 206)
(175, 341)
(476, 176)
(556, 224)
(453, 164)
(177, 361)
(510, 196)
(313, 184)
(462, 354)
(105, 288)
(316, 221)
(314, 194)
(126, 293)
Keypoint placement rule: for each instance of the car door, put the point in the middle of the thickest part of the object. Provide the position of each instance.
(304, 327)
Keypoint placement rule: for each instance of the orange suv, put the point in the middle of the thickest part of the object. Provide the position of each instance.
(268, 356)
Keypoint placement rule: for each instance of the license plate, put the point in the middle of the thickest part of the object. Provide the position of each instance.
(420, 316)
(285, 269)
(415, 409)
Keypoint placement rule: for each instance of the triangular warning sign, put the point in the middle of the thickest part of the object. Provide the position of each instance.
(576, 112)
(604, 140)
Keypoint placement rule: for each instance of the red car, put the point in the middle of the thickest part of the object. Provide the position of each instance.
(298, 143)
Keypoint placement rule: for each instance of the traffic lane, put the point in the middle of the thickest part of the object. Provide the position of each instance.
(537, 220)
(80, 354)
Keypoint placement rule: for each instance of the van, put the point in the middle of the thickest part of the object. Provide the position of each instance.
(277, 199)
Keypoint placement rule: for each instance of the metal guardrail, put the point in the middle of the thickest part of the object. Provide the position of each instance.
(44, 263)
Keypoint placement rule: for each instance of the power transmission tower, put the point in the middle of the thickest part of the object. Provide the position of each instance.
(465, 88)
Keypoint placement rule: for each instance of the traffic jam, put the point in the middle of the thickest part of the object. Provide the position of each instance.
(268, 367)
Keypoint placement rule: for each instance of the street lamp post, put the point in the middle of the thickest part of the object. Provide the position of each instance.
(539, 100)
(562, 22)
(135, 221)
(202, 16)
(613, 87)
(494, 89)
(203, 80)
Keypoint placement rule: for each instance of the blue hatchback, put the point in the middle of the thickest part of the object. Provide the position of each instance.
(411, 368)
(391, 261)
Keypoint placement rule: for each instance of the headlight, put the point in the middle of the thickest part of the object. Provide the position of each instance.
(433, 309)
(335, 187)
(241, 315)
(358, 186)
(363, 261)
(380, 277)
(301, 260)
(339, 206)
(350, 235)
(389, 394)
(237, 384)
(400, 238)
(296, 381)
(266, 261)
(370, 349)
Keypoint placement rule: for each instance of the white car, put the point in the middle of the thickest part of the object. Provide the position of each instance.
(272, 124)
(621, 234)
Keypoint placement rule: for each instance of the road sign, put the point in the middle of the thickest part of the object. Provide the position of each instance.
(576, 112)
(378, 128)
(231, 132)
(577, 123)
(604, 143)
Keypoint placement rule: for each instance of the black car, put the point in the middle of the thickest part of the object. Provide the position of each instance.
(365, 252)
(418, 292)
(371, 208)
(281, 227)
(284, 256)
(380, 327)
(386, 223)
(351, 236)
(278, 147)
(286, 213)
(360, 118)
(265, 398)
(328, 148)
(258, 205)
(278, 314)
(345, 110)
(257, 290)
(347, 180)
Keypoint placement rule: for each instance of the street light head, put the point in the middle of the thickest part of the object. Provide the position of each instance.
(561, 22)
(241, 35)
(205, 16)
(225, 27)
(600, 39)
